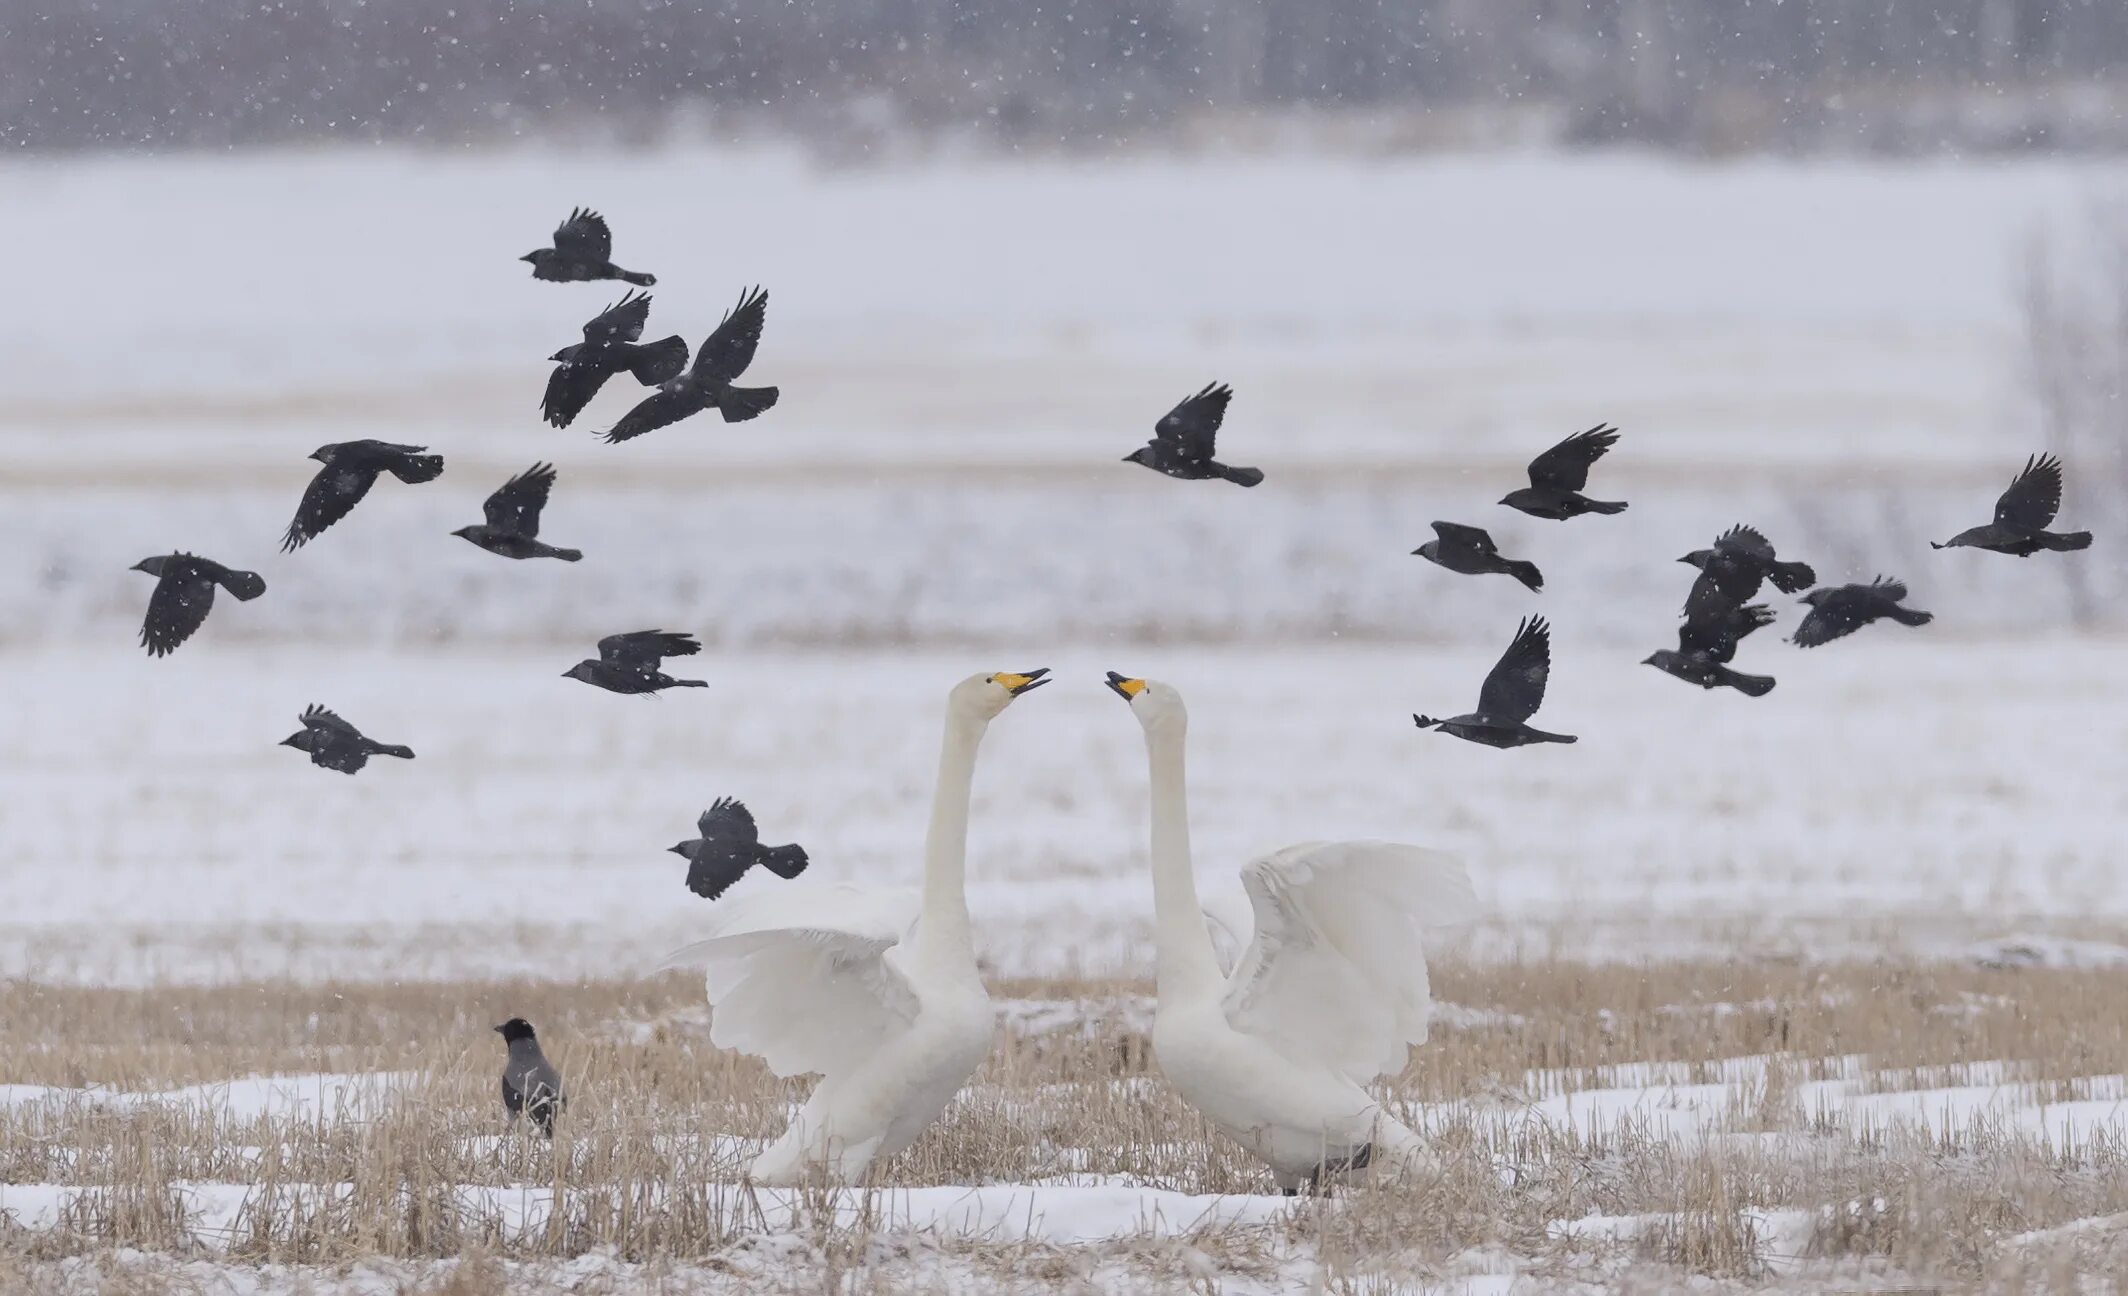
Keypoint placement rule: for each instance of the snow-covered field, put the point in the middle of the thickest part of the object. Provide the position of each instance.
(965, 352)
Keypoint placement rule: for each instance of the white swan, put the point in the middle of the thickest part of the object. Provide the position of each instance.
(874, 989)
(1329, 993)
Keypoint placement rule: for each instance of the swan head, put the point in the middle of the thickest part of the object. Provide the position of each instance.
(1158, 706)
(989, 694)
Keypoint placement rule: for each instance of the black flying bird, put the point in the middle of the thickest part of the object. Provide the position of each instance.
(1557, 476)
(1183, 440)
(730, 845)
(351, 468)
(2023, 514)
(512, 528)
(1839, 610)
(1707, 641)
(723, 357)
(531, 1087)
(184, 594)
(335, 744)
(628, 663)
(1469, 550)
(1740, 561)
(582, 251)
(1510, 696)
(610, 347)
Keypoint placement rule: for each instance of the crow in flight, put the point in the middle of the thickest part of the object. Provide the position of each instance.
(2023, 515)
(582, 251)
(1740, 561)
(351, 468)
(1469, 550)
(184, 594)
(610, 347)
(512, 528)
(1182, 444)
(730, 845)
(335, 744)
(628, 663)
(1557, 476)
(722, 358)
(1839, 610)
(1707, 641)
(1511, 694)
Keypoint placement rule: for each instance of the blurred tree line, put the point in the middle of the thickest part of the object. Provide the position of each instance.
(1703, 75)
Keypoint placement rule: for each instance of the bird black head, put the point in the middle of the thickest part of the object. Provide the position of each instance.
(461, 533)
(581, 671)
(1697, 558)
(323, 454)
(297, 741)
(682, 850)
(515, 1029)
(152, 566)
(1142, 455)
(561, 356)
(535, 257)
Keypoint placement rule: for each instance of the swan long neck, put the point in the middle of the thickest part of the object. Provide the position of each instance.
(1185, 961)
(943, 934)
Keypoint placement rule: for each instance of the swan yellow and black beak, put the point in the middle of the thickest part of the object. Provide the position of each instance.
(1018, 684)
(1127, 689)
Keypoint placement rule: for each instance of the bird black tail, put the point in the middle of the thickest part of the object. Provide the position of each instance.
(418, 468)
(1748, 685)
(1527, 573)
(636, 278)
(569, 555)
(245, 585)
(1542, 736)
(785, 861)
(2064, 543)
(1793, 578)
(1910, 617)
(391, 749)
(659, 362)
(1607, 506)
(1243, 476)
(742, 403)
(680, 683)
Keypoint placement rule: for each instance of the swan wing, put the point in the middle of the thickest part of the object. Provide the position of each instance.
(802, 977)
(1336, 971)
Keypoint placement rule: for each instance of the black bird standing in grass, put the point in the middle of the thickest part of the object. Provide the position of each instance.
(1557, 476)
(530, 1085)
(335, 744)
(2022, 516)
(184, 594)
(351, 468)
(610, 347)
(1511, 694)
(1741, 560)
(1183, 441)
(1469, 550)
(724, 356)
(1707, 641)
(628, 663)
(730, 845)
(1839, 610)
(582, 251)
(512, 528)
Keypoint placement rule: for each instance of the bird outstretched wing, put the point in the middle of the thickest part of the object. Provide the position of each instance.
(515, 507)
(1336, 970)
(662, 408)
(317, 717)
(1515, 687)
(331, 495)
(621, 322)
(1191, 429)
(2033, 499)
(569, 388)
(584, 235)
(1566, 466)
(1472, 537)
(1745, 542)
(726, 353)
(728, 820)
(178, 607)
(644, 649)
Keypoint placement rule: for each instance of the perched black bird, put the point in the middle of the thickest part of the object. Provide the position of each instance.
(1510, 696)
(530, 1085)
(184, 593)
(1182, 444)
(512, 528)
(335, 744)
(628, 663)
(608, 348)
(725, 355)
(1741, 560)
(582, 251)
(1707, 641)
(730, 845)
(1557, 476)
(2023, 514)
(1469, 550)
(351, 468)
(1839, 610)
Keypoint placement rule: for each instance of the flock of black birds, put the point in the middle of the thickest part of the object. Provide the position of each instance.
(1719, 610)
